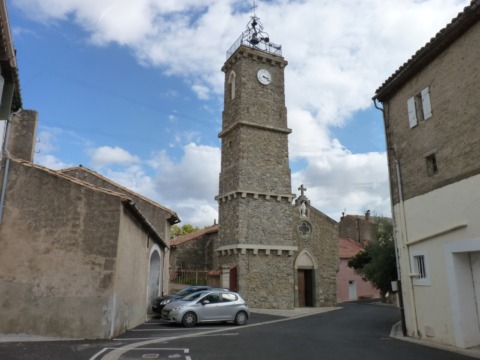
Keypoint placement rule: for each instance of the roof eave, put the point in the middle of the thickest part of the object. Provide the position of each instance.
(443, 39)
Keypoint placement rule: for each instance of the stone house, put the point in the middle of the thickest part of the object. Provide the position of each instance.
(430, 111)
(356, 227)
(81, 257)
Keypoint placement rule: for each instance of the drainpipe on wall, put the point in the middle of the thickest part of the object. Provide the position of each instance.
(7, 161)
(403, 226)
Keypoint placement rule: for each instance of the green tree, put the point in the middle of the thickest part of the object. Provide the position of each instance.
(377, 263)
(176, 230)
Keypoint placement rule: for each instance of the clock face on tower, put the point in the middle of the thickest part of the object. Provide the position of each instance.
(264, 77)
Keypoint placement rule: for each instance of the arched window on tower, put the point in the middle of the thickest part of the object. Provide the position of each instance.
(231, 83)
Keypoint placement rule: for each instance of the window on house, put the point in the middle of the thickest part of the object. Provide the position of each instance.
(419, 107)
(420, 266)
(420, 274)
(432, 167)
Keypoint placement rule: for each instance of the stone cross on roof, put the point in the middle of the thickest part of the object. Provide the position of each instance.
(302, 190)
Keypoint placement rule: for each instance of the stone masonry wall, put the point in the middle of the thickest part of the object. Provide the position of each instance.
(452, 133)
(194, 254)
(322, 243)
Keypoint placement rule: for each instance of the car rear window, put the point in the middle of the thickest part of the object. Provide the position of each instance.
(229, 297)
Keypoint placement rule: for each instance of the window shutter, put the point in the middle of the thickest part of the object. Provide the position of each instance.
(412, 114)
(427, 107)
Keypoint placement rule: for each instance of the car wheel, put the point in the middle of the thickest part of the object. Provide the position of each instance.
(241, 318)
(189, 319)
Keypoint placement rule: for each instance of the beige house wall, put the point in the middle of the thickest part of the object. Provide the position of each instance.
(440, 308)
(131, 275)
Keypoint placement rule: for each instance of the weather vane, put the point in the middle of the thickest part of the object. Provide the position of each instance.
(255, 36)
(254, 33)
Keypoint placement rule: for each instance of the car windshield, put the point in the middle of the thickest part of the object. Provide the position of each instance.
(186, 291)
(194, 296)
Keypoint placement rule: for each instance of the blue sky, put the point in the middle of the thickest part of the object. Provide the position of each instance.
(133, 90)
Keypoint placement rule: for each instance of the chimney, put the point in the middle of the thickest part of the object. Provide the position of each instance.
(23, 132)
(367, 216)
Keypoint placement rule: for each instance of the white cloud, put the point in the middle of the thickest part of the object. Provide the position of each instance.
(107, 155)
(50, 161)
(194, 177)
(135, 178)
(339, 52)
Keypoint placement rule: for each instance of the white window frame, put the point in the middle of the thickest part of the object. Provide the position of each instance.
(419, 107)
(420, 276)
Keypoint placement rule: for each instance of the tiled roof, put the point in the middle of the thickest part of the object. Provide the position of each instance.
(348, 248)
(194, 235)
(444, 38)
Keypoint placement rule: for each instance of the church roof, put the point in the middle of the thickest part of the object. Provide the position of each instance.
(442, 40)
(348, 248)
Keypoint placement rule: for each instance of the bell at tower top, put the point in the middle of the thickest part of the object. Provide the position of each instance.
(255, 37)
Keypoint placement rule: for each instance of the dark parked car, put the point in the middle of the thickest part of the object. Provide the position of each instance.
(214, 305)
(160, 302)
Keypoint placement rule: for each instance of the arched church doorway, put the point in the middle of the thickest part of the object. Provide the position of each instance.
(154, 277)
(305, 266)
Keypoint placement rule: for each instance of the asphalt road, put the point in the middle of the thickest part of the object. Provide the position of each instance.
(356, 331)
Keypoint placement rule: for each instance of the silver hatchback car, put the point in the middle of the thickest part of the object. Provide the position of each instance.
(207, 306)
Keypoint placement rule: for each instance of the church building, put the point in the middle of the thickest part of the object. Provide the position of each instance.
(280, 255)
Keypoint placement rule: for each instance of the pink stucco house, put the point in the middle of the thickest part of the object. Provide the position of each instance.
(350, 286)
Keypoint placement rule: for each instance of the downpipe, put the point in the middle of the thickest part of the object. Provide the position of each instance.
(7, 161)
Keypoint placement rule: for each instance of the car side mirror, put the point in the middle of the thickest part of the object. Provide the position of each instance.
(205, 302)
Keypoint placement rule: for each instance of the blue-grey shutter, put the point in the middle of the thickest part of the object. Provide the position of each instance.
(427, 107)
(412, 114)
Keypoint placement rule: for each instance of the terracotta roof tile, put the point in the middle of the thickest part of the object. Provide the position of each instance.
(348, 248)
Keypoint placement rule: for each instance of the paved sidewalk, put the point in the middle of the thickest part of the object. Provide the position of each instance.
(396, 333)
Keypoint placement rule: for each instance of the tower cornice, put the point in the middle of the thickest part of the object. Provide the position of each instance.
(244, 52)
(257, 126)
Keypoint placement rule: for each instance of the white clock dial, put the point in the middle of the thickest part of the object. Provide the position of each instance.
(264, 76)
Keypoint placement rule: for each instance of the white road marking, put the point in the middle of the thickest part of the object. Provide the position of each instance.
(184, 350)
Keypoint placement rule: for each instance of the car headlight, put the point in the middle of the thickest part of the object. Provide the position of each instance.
(178, 307)
(165, 302)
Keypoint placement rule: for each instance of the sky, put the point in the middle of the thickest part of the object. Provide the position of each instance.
(133, 90)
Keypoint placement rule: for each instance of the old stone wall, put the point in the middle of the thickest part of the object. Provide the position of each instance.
(452, 133)
(321, 242)
(265, 281)
(59, 248)
(357, 228)
(247, 105)
(194, 254)
(156, 214)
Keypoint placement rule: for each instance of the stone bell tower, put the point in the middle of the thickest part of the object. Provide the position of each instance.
(255, 196)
